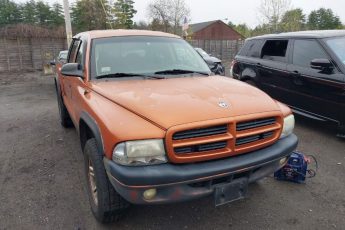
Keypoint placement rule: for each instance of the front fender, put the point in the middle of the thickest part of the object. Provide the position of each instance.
(111, 124)
(93, 126)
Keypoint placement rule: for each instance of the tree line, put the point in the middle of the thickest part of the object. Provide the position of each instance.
(278, 16)
(85, 14)
(163, 15)
(31, 12)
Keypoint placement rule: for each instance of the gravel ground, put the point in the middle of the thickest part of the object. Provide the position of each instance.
(42, 180)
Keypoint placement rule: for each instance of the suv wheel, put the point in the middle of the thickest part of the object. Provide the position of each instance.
(65, 119)
(106, 204)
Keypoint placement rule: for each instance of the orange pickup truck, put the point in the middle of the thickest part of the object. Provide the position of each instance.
(156, 126)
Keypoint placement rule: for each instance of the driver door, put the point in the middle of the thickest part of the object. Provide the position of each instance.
(316, 92)
(67, 81)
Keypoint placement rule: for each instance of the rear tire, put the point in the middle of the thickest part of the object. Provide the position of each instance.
(106, 204)
(65, 119)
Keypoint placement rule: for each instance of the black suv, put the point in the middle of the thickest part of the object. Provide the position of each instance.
(304, 69)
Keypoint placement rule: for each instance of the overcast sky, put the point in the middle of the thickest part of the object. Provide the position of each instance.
(237, 11)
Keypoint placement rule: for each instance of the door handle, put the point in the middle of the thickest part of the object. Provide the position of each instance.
(297, 80)
(296, 73)
(258, 64)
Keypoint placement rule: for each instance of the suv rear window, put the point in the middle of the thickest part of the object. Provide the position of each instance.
(243, 51)
(275, 50)
(251, 48)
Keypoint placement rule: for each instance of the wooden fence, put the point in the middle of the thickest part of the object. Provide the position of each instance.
(18, 54)
(223, 49)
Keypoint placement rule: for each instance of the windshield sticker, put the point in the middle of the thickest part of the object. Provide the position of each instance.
(105, 69)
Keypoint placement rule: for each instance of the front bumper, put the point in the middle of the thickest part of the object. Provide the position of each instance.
(181, 182)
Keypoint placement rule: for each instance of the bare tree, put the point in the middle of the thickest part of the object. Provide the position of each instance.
(159, 12)
(169, 13)
(180, 10)
(272, 11)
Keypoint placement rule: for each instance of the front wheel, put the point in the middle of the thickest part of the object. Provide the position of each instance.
(106, 204)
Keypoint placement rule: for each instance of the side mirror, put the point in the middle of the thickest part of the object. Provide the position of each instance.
(321, 64)
(72, 70)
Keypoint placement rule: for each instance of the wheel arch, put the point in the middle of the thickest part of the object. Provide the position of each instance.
(248, 74)
(88, 128)
(57, 85)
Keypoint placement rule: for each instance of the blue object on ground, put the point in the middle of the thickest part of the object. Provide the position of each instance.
(295, 169)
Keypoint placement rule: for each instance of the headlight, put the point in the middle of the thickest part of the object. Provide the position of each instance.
(145, 152)
(289, 124)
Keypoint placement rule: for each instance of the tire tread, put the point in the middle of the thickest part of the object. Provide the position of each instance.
(111, 207)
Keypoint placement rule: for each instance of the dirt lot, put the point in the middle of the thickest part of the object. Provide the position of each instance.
(42, 181)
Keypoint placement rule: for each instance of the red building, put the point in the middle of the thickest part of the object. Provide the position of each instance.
(216, 38)
(214, 30)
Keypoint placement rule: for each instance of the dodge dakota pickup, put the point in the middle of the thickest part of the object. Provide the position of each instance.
(156, 126)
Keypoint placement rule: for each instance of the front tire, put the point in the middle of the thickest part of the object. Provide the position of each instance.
(106, 204)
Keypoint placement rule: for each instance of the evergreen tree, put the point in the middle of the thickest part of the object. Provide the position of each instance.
(124, 12)
(90, 15)
(323, 19)
(10, 13)
(57, 15)
(243, 29)
(43, 14)
(29, 12)
(293, 20)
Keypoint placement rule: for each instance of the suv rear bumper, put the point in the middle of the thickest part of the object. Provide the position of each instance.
(181, 182)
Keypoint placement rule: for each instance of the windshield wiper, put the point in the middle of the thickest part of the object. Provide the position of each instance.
(180, 71)
(120, 75)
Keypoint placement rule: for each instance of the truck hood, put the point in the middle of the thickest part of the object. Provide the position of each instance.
(175, 101)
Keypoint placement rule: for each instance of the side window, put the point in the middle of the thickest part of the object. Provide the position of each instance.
(305, 51)
(73, 51)
(245, 47)
(80, 55)
(275, 50)
(254, 49)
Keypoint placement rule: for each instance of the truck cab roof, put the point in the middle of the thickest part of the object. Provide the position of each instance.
(121, 32)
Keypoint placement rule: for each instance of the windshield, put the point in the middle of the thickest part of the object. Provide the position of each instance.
(202, 52)
(338, 47)
(143, 55)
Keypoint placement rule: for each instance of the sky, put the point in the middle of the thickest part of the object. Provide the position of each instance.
(236, 11)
